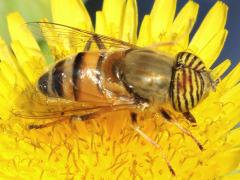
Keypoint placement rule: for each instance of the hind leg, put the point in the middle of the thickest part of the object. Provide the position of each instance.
(137, 129)
(95, 39)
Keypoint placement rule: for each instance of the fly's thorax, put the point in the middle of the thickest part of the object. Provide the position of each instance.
(146, 74)
(191, 82)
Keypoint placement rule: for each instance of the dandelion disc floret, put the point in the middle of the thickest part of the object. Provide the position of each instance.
(107, 147)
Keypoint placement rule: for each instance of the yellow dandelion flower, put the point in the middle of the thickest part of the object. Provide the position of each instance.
(107, 148)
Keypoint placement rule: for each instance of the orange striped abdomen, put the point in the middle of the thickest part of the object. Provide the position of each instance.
(75, 78)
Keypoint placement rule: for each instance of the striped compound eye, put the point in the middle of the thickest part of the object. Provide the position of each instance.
(189, 83)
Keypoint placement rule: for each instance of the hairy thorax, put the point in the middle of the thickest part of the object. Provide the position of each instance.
(148, 74)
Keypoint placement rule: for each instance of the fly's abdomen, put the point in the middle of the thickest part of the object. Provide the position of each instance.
(75, 78)
(189, 82)
(51, 83)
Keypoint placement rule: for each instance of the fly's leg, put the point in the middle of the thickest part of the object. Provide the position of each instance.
(136, 128)
(133, 118)
(166, 116)
(88, 45)
(97, 40)
(190, 118)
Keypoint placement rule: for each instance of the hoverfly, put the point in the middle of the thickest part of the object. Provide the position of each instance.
(129, 78)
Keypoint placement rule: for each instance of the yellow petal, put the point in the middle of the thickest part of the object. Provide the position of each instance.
(185, 19)
(5, 53)
(9, 78)
(19, 32)
(183, 24)
(101, 24)
(31, 65)
(8, 65)
(212, 24)
(231, 96)
(231, 156)
(72, 13)
(130, 22)
(214, 168)
(162, 16)
(144, 37)
(5, 86)
(220, 69)
(234, 136)
(235, 175)
(212, 49)
(113, 14)
(232, 78)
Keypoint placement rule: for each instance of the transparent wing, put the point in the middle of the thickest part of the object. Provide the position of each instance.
(33, 105)
(64, 40)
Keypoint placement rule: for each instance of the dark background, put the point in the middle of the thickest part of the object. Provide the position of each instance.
(232, 45)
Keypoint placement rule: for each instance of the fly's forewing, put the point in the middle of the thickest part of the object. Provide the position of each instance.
(64, 40)
(31, 104)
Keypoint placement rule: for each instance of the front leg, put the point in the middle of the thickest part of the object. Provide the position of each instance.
(95, 39)
(167, 116)
(133, 118)
(190, 118)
